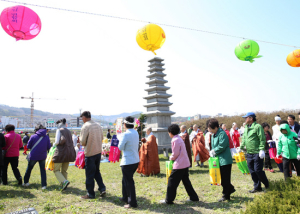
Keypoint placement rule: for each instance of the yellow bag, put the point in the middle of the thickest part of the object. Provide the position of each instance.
(169, 168)
(49, 163)
(214, 171)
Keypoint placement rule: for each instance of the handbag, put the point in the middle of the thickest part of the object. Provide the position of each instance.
(4, 151)
(28, 156)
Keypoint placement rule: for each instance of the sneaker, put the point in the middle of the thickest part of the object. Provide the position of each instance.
(197, 165)
(25, 185)
(103, 193)
(272, 170)
(162, 202)
(65, 185)
(266, 169)
(44, 187)
(223, 199)
(255, 190)
(232, 191)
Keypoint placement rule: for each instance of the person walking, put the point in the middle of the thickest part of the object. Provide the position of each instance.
(220, 148)
(38, 144)
(129, 145)
(91, 137)
(185, 137)
(293, 124)
(287, 145)
(63, 154)
(254, 140)
(13, 144)
(180, 171)
(268, 165)
(2, 144)
(25, 139)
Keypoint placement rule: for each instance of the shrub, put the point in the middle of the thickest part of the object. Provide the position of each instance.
(282, 198)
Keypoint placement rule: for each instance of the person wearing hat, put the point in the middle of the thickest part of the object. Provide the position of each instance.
(129, 145)
(254, 140)
(275, 136)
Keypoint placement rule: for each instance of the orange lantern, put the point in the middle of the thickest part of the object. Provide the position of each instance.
(293, 59)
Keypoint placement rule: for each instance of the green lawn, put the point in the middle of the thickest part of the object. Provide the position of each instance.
(149, 191)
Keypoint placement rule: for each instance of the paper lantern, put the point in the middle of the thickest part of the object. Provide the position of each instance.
(293, 59)
(247, 50)
(151, 37)
(20, 22)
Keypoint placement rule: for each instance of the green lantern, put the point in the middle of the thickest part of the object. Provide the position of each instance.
(247, 50)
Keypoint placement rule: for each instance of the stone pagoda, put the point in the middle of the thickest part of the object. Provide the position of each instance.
(158, 112)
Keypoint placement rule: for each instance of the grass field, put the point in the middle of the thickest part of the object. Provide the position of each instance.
(149, 191)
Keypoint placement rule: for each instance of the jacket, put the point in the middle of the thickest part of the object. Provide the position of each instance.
(220, 144)
(297, 127)
(286, 144)
(179, 153)
(12, 137)
(25, 139)
(2, 144)
(64, 151)
(253, 138)
(129, 145)
(91, 137)
(229, 138)
(40, 151)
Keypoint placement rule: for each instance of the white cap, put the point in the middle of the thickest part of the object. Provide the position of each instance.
(277, 118)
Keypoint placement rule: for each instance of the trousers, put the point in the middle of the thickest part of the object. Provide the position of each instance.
(255, 165)
(60, 171)
(128, 186)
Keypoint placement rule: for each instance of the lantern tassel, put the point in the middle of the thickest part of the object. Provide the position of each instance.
(153, 52)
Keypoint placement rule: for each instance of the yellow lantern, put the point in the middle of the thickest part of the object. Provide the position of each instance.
(151, 37)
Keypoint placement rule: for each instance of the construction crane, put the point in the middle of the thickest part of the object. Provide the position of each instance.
(32, 105)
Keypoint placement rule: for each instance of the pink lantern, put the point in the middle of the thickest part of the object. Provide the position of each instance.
(20, 22)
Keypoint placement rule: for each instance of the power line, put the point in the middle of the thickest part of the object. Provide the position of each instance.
(136, 20)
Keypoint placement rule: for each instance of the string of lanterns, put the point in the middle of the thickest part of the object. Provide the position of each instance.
(22, 23)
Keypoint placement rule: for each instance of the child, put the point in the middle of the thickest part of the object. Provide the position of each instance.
(180, 170)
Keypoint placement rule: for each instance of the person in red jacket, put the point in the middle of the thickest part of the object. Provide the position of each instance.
(13, 145)
(231, 145)
(235, 135)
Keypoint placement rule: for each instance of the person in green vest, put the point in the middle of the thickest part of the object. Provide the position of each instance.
(287, 145)
(220, 148)
(254, 140)
(190, 130)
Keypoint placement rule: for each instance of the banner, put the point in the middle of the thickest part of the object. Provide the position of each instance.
(119, 127)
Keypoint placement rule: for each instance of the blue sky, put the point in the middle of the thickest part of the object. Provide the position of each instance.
(95, 64)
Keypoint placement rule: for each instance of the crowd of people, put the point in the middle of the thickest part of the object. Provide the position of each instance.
(216, 141)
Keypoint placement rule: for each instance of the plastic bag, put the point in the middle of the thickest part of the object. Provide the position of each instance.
(80, 160)
(49, 163)
(241, 163)
(169, 168)
(278, 160)
(214, 171)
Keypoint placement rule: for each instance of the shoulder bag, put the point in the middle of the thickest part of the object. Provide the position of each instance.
(28, 156)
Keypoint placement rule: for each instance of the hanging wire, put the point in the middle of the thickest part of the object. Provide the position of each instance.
(136, 20)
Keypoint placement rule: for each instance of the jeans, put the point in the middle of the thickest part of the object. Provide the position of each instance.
(255, 165)
(30, 166)
(286, 166)
(176, 176)
(128, 187)
(14, 162)
(92, 171)
(225, 172)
